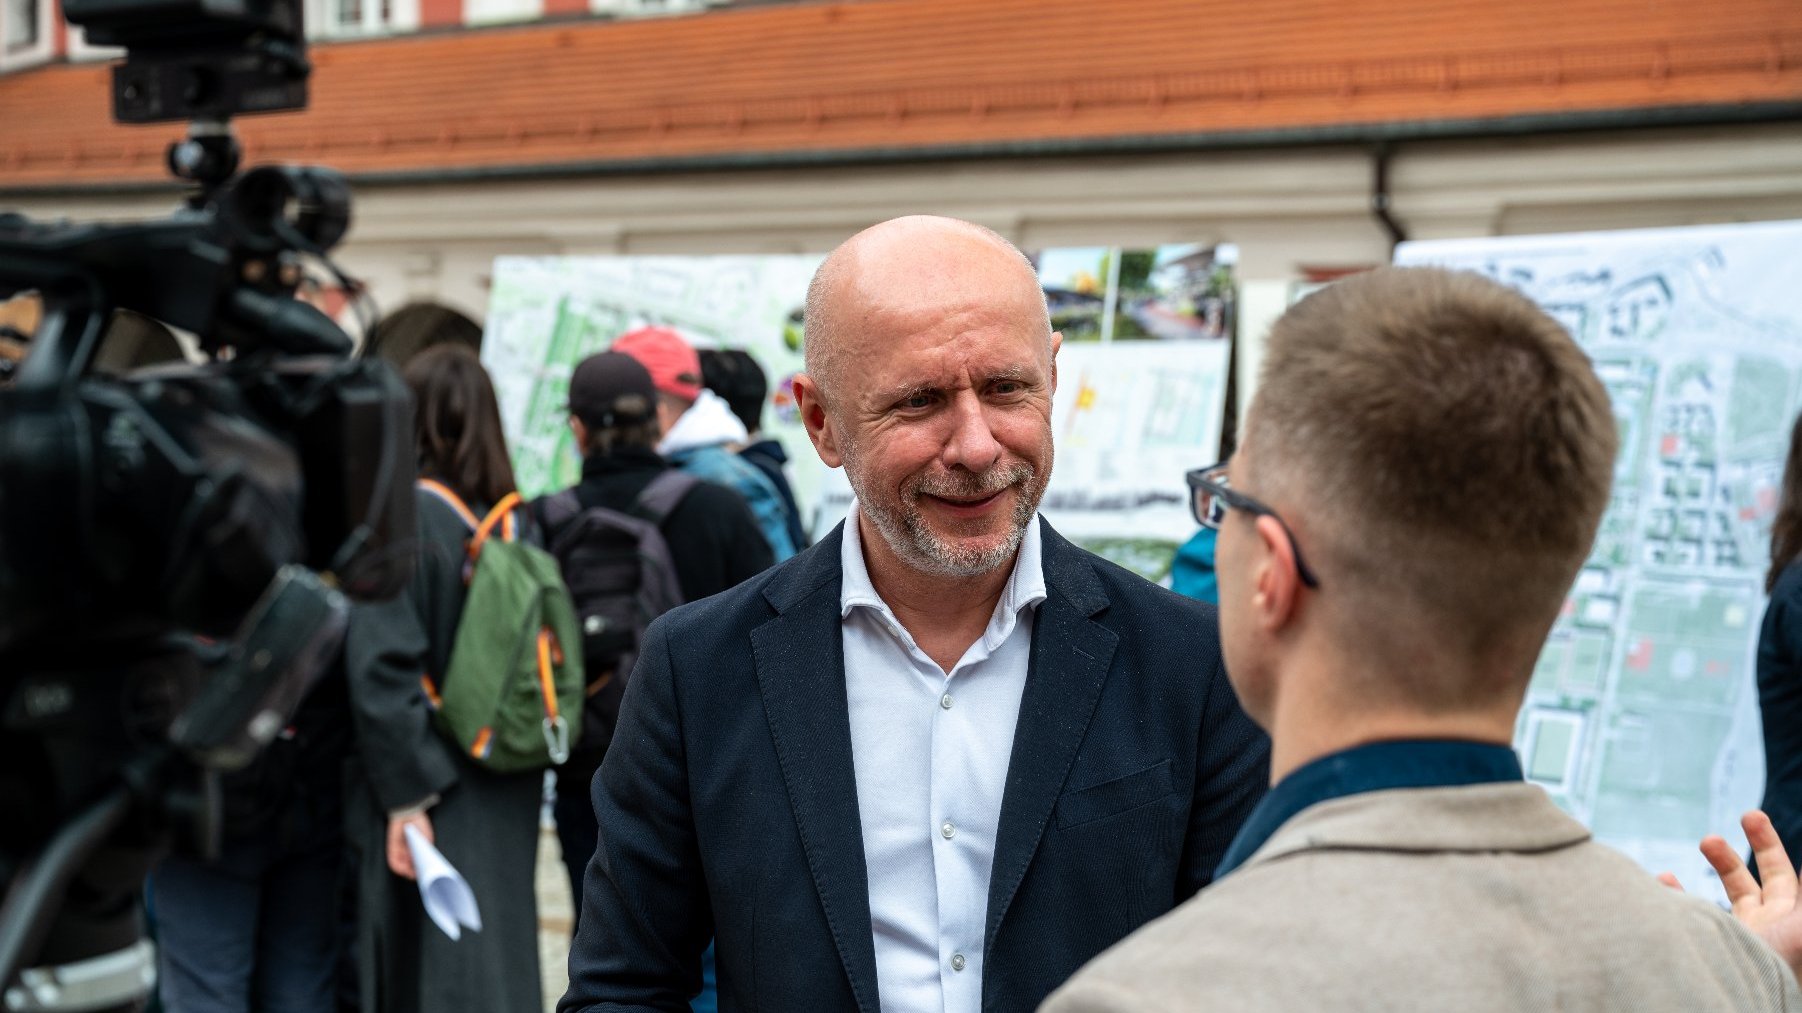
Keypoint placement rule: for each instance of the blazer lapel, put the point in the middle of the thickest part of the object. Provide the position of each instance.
(801, 673)
(1071, 654)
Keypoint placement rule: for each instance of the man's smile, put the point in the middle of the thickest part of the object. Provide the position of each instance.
(963, 506)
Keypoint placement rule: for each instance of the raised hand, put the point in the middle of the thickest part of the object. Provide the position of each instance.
(1769, 909)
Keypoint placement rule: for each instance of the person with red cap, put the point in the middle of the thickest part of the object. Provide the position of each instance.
(701, 434)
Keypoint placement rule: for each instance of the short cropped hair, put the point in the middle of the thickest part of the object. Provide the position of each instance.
(1453, 441)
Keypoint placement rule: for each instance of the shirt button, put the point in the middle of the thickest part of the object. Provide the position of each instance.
(957, 961)
(945, 701)
(948, 831)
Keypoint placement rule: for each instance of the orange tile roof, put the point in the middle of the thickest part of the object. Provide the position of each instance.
(899, 76)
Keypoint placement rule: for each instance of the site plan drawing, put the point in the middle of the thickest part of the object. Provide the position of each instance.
(548, 313)
(1642, 718)
(1128, 420)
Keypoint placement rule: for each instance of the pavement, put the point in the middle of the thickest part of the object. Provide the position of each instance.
(555, 916)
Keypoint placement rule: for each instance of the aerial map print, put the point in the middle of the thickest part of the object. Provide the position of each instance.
(1642, 719)
(546, 314)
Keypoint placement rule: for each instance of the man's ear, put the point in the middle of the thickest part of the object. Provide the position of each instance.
(580, 430)
(1276, 595)
(818, 422)
(1057, 344)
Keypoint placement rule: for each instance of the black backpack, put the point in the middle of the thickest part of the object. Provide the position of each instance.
(621, 576)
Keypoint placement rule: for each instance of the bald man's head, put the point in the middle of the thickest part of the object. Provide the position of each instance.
(906, 262)
(931, 367)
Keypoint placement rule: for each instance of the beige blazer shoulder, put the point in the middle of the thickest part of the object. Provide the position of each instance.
(1472, 898)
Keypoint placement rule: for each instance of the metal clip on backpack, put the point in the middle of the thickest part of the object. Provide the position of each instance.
(516, 665)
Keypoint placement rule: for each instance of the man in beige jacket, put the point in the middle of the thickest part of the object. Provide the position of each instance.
(1440, 452)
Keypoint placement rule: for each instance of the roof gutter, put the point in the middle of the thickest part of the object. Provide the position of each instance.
(1380, 200)
(1360, 134)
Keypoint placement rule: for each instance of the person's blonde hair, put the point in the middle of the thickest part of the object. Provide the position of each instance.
(1454, 445)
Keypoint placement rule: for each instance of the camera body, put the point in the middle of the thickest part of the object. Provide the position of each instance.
(179, 545)
(170, 499)
(199, 59)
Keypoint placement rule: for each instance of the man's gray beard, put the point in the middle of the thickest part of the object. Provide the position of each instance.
(908, 534)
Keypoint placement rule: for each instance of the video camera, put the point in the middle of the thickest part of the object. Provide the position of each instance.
(177, 544)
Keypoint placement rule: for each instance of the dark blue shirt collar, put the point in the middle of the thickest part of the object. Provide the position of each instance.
(1412, 763)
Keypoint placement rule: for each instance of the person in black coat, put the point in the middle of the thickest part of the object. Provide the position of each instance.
(485, 823)
(713, 539)
(1780, 658)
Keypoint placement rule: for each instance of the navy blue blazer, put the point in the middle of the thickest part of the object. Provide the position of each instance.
(728, 808)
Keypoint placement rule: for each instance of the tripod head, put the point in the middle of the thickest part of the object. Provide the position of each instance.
(208, 156)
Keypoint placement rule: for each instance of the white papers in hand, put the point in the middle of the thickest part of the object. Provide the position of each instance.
(449, 902)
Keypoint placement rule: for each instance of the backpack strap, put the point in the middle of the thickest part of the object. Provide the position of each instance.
(452, 500)
(501, 516)
(663, 495)
(553, 512)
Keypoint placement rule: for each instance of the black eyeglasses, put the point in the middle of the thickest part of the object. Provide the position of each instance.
(1210, 498)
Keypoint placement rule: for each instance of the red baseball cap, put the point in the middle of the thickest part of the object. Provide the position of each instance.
(674, 366)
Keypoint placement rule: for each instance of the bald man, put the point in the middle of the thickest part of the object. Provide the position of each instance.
(939, 760)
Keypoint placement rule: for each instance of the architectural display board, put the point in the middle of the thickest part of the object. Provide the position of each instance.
(547, 313)
(1642, 719)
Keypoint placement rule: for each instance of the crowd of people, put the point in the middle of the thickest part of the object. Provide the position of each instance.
(945, 759)
(312, 905)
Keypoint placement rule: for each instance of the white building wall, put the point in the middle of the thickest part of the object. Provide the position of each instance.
(1287, 210)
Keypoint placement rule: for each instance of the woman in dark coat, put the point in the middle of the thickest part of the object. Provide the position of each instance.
(486, 824)
(1780, 658)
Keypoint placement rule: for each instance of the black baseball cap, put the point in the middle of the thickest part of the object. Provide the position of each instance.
(610, 389)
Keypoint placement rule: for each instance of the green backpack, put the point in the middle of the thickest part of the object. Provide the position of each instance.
(516, 666)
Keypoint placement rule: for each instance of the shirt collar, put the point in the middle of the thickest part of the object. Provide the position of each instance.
(1025, 585)
(1378, 766)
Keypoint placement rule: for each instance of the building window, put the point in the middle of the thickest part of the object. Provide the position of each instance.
(648, 8)
(496, 12)
(23, 27)
(335, 19)
(81, 50)
(25, 32)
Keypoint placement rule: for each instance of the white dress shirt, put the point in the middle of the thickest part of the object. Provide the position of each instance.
(930, 752)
